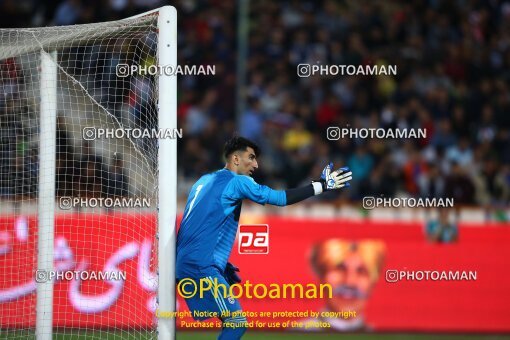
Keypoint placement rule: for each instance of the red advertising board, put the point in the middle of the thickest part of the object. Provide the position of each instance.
(86, 243)
(299, 253)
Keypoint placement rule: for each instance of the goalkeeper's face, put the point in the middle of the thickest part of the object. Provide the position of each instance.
(245, 162)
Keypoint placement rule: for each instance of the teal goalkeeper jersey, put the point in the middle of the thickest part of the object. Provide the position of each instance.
(210, 220)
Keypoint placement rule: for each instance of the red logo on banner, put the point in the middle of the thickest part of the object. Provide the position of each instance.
(254, 239)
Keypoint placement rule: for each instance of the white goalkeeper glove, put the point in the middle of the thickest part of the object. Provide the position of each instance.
(332, 180)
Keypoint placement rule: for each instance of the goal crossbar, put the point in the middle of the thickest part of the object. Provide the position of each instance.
(45, 39)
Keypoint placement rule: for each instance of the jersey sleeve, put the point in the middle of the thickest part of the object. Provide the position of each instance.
(245, 187)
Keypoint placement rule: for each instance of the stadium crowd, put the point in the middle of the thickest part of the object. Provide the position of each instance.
(453, 80)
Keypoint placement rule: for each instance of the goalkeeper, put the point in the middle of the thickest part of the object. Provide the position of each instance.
(210, 220)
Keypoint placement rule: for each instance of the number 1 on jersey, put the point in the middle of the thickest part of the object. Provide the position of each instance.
(194, 198)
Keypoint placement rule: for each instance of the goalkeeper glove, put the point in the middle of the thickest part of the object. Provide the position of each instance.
(231, 274)
(332, 180)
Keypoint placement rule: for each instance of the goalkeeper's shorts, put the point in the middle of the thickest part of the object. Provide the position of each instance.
(215, 300)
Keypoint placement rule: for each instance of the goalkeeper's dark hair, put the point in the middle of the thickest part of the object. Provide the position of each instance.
(238, 143)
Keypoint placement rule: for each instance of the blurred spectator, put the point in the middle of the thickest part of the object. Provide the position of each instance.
(117, 183)
(252, 121)
(425, 122)
(18, 180)
(6, 157)
(441, 229)
(67, 175)
(491, 185)
(460, 153)
(328, 111)
(382, 180)
(68, 13)
(140, 101)
(413, 169)
(431, 183)
(92, 173)
(486, 131)
(361, 164)
(64, 143)
(459, 186)
(461, 125)
(31, 168)
(198, 115)
(67, 171)
(443, 136)
(297, 137)
(502, 145)
(272, 99)
(256, 87)
(209, 139)
(193, 161)
(14, 13)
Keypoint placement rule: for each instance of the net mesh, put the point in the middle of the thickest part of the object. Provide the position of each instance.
(106, 186)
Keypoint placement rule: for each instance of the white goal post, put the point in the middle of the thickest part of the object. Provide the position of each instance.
(46, 232)
(167, 115)
(57, 85)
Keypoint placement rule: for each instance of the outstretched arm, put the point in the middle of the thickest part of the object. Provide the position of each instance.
(245, 187)
(299, 194)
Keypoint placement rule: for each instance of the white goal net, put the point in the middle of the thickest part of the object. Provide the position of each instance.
(80, 179)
